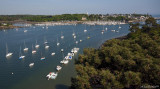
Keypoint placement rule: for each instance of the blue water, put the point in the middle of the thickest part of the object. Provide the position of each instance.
(25, 77)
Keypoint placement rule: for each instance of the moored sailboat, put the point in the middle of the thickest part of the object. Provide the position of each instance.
(36, 46)
(20, 55)
(57, 42)
(62, 36)
(25, 48)
(33, 50)
(7, 53)
(42, 57)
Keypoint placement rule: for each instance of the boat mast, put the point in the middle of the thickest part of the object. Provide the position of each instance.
(36, 42)
(20, 52)
(57, 39)
(45, 39)
(6, 49)
(41, 54)
(24, 44)
(32, 47)
(103, 27)
(61, 33)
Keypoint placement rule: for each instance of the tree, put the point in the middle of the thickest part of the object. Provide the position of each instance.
(122, 64)
(134, 27)
(150, 22)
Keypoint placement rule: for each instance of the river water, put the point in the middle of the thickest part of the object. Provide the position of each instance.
(16, 73)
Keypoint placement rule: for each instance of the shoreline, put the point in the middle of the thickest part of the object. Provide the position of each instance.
(9, 27)
(68, 22)
(52, 23)
(119, 38)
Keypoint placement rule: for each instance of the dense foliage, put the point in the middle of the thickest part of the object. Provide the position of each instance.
(67, 17)
(130, 63)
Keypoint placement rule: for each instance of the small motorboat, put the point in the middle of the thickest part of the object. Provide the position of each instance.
(43, 58)
(25, 30)
(62, 61)
(74, 50)
(34, 51)
(46, 42)
(76, 42)
(102, 32)
(117, 31)
(73, 34)
(113, 30)
(106, 29)
(59, 68)
(21, 57)
(68, 57)
(31, 64)
(25, 49)
(65, 62)
(37, 46)
(46, 47)
(62, 37)
(58, 44)
(53, 54)
(62, 50)
(52, 75)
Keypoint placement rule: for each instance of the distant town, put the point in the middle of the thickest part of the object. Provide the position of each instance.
(6, 21)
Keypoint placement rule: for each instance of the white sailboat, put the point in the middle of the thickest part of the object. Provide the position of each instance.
(25, 30)
(73, 33)
(45, 41)
(102, 30)
(74, 36)
(25, 48)
(33, 50)
(36, 46)
(7, 53)
(85, 29)
(113, 30)
(62, 36)
(46, 46)
(57, 42)
(119, 26)
(20, 54)
(80, 40)
(76, 42)
(42, 57)
(106, 28)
